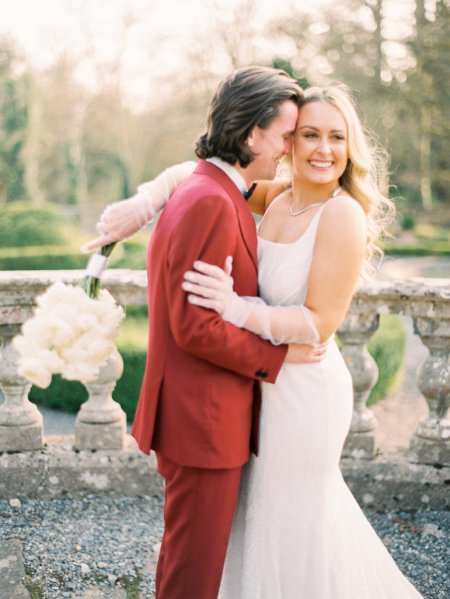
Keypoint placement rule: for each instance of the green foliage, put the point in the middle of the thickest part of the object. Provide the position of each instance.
(68, 396)
(60, 395)
(41, 238)
(408, 222)
(34, 587)
(45, 258)
(436, 248)
(23, 225)
(128, 387)
(67, 144)
(286, 65)
(387, 348)
(427, 241)
(134, 255)
(14, 109)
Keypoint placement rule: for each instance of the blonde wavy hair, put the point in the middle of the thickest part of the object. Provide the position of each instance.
(365, 177)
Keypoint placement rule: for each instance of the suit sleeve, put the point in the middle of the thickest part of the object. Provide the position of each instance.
(209, 231)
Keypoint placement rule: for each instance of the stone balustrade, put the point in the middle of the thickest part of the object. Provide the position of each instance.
(427, 301)
(100, 424)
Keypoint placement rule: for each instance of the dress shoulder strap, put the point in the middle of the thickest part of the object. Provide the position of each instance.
(279, 196)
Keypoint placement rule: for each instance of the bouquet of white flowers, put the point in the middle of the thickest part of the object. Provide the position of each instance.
(71, 332)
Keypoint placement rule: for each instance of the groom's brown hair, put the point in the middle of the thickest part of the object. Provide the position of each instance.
(249, 97)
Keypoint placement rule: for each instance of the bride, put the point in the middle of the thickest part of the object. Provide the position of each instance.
(298, 533)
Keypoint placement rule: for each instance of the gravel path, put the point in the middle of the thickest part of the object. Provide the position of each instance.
(70, 545)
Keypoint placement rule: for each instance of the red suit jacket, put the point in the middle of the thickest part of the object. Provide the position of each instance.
(200, 399)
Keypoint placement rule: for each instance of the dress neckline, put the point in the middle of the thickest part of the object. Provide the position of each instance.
(314, 218)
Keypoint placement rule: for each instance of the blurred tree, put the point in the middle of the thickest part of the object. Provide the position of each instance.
(105, 147)
(286, 65)
(14, 107)
(63, 143)
(395, 58)
(429, 96)
(61, 103)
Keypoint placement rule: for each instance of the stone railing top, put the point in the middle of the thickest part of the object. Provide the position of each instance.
(18, 289)
(417, 297)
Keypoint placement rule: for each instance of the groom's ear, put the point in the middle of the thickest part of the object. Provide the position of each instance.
(251, 138)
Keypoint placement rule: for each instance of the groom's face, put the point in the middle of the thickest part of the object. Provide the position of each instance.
(271, 144)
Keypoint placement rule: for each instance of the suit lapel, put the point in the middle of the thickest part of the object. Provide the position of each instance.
(245, 218)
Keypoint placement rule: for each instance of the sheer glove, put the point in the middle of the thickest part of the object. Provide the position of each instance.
(211, 287)
(124, 218)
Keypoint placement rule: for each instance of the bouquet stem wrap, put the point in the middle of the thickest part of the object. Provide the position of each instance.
(97, 263)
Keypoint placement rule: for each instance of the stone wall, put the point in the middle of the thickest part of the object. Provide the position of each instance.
(101, 458)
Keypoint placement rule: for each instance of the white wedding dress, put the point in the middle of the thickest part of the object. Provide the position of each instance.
(298, 533)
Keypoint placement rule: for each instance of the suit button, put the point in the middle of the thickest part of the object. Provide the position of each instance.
(261, 374)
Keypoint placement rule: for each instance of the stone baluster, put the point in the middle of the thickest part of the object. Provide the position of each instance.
(355, 333)
(21, 423)
(431, 444)
(101, 422)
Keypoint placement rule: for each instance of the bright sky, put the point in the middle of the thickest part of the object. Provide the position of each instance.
(155, 43)
(94, 28)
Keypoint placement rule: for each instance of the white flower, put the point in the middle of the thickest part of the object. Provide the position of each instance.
(80, 371)
(86, 322)
(36, 330)
(48, 330)
(69, 333)
(50, 360)
(26, 347)
(34, 371)
(88, 348)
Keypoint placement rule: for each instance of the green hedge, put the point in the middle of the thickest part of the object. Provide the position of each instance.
(45, 258)
(41, 238)
(67, 256)
(387, 347)
(23, 224)
(417, 250)
(69, 395)
(133, 255)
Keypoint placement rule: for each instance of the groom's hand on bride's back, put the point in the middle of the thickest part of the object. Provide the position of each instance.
(302, 353)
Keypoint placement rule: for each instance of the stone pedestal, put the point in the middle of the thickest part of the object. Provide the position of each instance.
(21, 423)
(355, 333)
(101, 422)
(431, 444)
(100, 436)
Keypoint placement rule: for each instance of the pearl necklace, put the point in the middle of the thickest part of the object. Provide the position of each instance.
(292, 213)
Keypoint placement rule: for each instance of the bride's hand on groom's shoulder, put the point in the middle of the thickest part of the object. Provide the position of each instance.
(302, 353)
(117, 221)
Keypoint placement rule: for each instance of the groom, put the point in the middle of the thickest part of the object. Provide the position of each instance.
(200, 399)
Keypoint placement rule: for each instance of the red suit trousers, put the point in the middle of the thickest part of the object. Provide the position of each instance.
(198, 514)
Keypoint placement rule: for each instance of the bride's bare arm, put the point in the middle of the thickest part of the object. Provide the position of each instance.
(265, 191)
(336, 265)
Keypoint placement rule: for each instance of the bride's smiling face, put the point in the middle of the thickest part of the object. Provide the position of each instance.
(320, 149)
